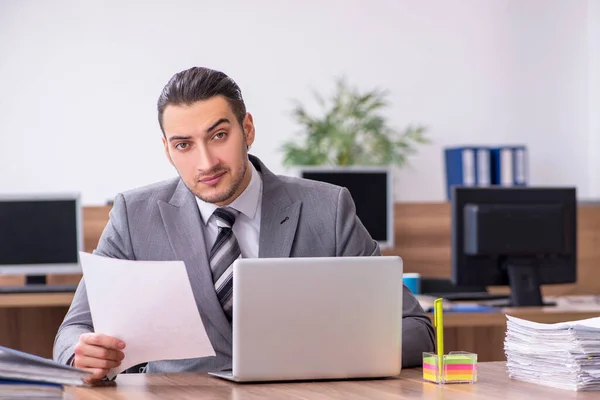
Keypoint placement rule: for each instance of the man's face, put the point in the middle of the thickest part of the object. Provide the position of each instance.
(208, 148)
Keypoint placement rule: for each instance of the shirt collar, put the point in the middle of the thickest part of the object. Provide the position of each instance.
(246, 203)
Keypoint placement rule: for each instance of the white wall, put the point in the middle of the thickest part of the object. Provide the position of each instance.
(79, 81)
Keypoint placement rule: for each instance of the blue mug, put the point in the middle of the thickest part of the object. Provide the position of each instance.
(412, 282)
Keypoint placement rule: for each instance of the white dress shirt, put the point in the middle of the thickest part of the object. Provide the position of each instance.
(247, 224)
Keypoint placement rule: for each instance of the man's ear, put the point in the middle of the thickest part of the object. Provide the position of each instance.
(166, 145)
(248, 127)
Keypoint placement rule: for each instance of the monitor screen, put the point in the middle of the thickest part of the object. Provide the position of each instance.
(522, 237)
(371, 190)
(40, 235)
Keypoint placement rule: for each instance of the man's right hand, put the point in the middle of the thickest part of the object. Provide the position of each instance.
(97, 354)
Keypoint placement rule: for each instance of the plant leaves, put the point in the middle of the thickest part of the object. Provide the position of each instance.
(350, 131)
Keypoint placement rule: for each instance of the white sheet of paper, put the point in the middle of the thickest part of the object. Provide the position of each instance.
(147, 304)
(593, 323)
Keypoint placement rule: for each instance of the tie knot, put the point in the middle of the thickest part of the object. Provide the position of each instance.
(225, 216)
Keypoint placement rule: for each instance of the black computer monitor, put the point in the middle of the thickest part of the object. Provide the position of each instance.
(40, 235)
(371, 190)
(518, 236)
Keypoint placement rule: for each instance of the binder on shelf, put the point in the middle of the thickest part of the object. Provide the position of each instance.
(467, 166)
(509, 165)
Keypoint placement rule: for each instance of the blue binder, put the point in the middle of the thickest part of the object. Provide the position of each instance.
(467, 166)
(509, 165)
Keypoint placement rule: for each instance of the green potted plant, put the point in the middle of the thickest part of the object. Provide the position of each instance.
(351, 131)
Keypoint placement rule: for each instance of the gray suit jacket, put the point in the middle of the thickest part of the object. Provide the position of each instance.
(162, 222)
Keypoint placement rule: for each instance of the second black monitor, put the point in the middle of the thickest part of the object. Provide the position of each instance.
(371, 190)
(522, 237)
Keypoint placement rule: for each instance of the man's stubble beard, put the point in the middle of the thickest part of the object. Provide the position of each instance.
(232, 189)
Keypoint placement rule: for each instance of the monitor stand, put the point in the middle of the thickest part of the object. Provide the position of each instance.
(524, 286)
(35, 280)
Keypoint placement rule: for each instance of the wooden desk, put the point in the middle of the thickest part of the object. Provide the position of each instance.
(43, 300)
(29, 322)
(493, 383)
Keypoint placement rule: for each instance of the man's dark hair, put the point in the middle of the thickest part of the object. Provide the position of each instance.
(198, 83)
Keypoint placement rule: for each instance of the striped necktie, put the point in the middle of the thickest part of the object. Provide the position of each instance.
(222, 255)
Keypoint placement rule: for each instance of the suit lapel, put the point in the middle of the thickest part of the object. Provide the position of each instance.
(279, 216)
(277, 229)
(183, 224)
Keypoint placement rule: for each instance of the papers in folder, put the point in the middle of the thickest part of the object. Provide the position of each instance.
(147, 304)
(564, 355)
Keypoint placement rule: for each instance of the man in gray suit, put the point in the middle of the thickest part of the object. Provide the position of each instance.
(224, 204)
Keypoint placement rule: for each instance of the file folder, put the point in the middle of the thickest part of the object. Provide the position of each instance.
(509, 166)
(467, 166)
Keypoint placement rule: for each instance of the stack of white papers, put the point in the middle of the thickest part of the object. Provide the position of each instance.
(565, 355)
(21, 389)
(19, 366)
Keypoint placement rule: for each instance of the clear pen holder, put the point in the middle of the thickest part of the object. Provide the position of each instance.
(457, 367)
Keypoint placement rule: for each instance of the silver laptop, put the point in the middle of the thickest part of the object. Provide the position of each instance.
(316, 318)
